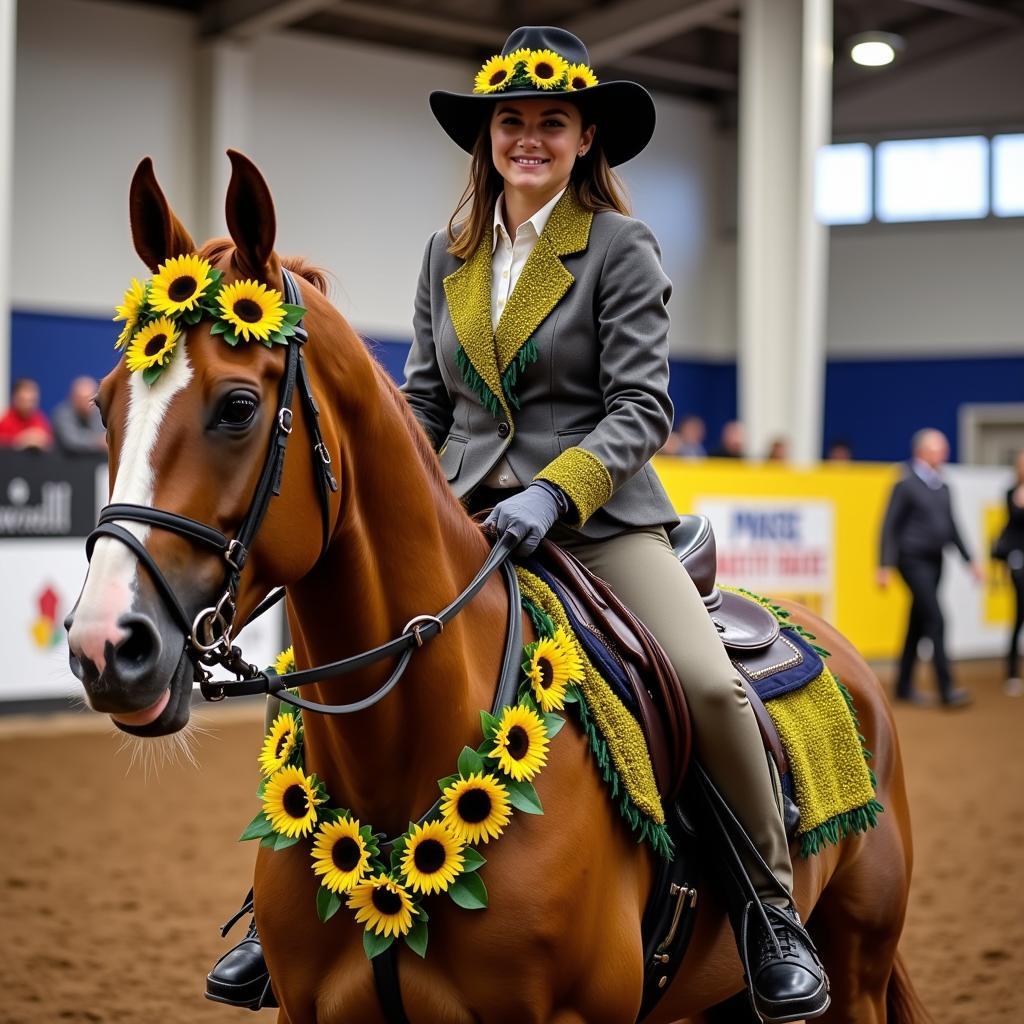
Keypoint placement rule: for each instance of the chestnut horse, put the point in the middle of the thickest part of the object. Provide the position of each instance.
(561, 941)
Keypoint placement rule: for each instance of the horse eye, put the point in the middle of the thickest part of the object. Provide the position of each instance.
(239, 409)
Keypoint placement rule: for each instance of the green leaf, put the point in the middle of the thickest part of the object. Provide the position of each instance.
(472, 861)
(572, 695)
(523, 796)
(220, 327)
(151, 374)
(257, 828)
(283, 842)
(374, 945)
(469, 762)
(193, 315)
(443, 784)
(553, 723)
(292, 314)
(327, 903)
(416, 939)
(469, 892)
(269, 841)
(230, 338)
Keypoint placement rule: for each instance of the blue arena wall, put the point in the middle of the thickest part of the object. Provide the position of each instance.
(874, 405)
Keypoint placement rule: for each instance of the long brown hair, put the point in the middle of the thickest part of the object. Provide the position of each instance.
(596, 185)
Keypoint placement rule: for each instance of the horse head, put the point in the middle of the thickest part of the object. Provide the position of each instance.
(189, 436)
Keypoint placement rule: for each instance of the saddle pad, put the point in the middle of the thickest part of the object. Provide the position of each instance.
(796, 664)
(614, 736)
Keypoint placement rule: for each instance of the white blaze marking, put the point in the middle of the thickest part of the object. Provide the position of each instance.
(110, 584)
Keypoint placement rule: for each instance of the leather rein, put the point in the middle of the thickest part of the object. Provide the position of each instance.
(209, 634)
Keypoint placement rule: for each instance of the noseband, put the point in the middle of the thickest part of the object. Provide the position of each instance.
(209, 634)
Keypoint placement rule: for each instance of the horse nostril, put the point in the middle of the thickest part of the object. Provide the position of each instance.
(140, 649)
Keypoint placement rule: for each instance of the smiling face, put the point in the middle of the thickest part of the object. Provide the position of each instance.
(536, 142)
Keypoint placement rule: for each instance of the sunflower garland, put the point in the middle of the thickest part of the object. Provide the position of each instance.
(542, 70)
(436, 855)
(184, 290)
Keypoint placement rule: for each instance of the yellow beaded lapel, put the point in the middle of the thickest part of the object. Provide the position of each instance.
(491, 363)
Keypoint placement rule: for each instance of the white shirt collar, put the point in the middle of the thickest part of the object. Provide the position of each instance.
(536, 223)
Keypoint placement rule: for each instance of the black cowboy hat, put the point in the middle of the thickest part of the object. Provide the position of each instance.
(623, 111)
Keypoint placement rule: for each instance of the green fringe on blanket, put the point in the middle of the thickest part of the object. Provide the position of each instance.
(643, 828)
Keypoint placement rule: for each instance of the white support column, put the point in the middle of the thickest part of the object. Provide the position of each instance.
(226, 101)
(8, 39)
(785, 105)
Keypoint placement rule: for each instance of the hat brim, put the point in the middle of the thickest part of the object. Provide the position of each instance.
(623, 111)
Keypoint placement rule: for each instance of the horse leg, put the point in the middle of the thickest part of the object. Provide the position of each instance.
(857, 924)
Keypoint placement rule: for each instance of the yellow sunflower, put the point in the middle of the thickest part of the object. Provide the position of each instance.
(178, 284)
(340, 855)
(546, 68)
(289, 801)
(522, 54)
(279, 743)
(153, 345)
(495, 74)
(554, 663)
(476, 808)
(580, 77)
(285, 662)
(521, 743)
(433, 857)
(252, 309)
(383, 904)
(129, 310)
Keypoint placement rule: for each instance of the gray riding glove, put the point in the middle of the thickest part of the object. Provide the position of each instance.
(529, 515)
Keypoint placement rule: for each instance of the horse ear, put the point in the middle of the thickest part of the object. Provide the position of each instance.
(156, 232)
(252, 223)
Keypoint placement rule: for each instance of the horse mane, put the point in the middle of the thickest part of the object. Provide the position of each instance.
(218, 248)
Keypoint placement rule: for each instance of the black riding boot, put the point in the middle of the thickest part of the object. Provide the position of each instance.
(784, 975)
(240, 977)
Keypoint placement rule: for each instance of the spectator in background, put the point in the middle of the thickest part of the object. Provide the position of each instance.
(687, 440)
(839, 451)
(778, 451)
(918, 525)
(731, 442)
(1009, 548)
(76, 421)
(24, 425)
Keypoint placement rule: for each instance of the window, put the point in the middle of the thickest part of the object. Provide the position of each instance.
(932, 179)
(1008, 175)
(842, 184)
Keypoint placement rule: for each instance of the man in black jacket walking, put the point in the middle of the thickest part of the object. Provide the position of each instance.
(918, 525)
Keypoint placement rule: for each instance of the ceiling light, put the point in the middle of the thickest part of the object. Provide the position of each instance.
(875, 49)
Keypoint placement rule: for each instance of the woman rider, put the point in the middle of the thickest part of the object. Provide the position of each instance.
(539, 370)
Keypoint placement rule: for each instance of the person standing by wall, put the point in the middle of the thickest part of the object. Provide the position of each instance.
(1009, 548)
(918, 526)
(77, 423)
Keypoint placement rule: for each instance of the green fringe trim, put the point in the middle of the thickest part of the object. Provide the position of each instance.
(849, 823)
(487, 397)
(509, 379)
(520, 361)
(643, 828)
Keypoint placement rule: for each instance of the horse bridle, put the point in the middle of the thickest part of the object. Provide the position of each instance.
(209, 634)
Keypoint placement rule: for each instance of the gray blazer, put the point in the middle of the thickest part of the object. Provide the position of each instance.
(572, 387)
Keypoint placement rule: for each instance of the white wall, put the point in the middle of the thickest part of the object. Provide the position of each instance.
(360, 171)
(98, 86)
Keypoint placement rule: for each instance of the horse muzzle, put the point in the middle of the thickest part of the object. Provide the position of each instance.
(143, 679)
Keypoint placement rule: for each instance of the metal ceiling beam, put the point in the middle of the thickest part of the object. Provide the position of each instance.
(973, 9)
(678, 71)
(242, 19)
(431, 24)
(623, 28)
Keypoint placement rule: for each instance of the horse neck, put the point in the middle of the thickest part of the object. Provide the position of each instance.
(403, 547)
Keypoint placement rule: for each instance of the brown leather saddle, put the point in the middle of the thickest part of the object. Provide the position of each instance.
(749, 632)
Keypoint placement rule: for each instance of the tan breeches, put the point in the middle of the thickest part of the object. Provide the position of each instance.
(642, 569)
